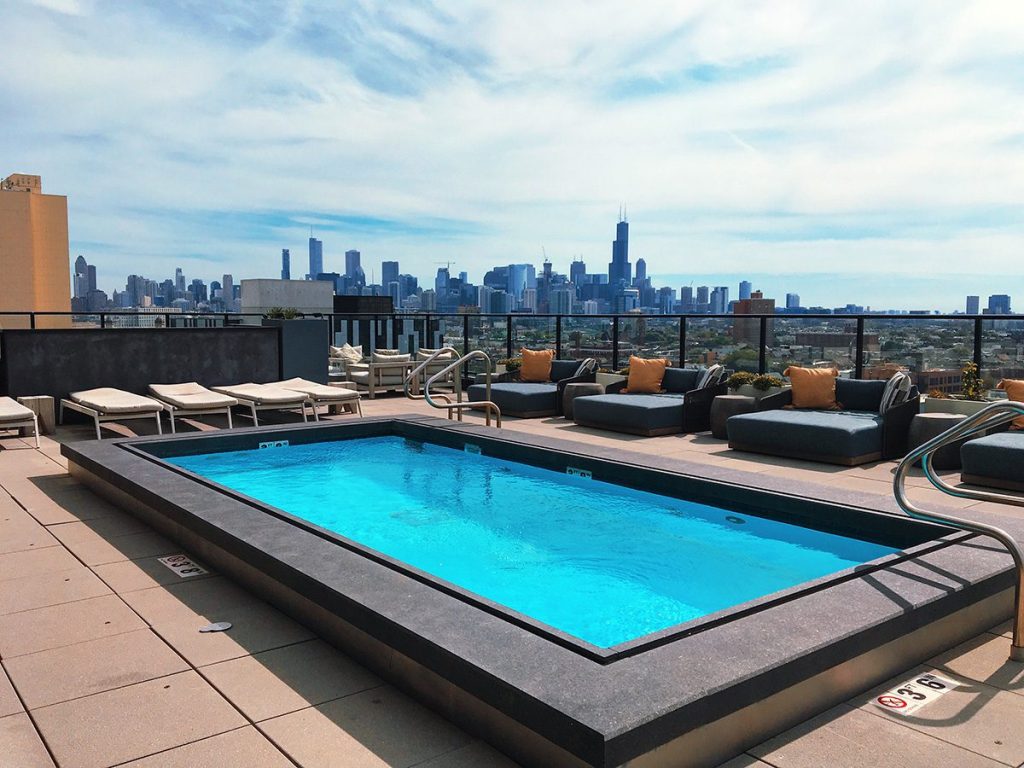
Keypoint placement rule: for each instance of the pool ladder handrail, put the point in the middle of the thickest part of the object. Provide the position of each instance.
(486, 404)
(988, 417)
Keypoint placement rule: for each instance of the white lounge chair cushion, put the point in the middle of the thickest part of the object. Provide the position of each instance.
(319, 392)
(347, 353)
(12, 410)
(111, 400)
(191, 395)
(263, 394)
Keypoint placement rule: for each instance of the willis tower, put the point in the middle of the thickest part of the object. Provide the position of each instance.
(619, 271)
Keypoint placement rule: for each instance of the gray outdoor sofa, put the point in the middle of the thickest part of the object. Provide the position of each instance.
(530, 400)
(682, 407)
(995, 460)
(858, 434)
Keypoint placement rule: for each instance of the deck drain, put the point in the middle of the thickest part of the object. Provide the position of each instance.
(217, 626)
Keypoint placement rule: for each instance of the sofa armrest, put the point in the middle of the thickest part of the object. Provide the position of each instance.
(584, 378)
(697, 407)
(615, 387)
(778, 400)
(896, 426)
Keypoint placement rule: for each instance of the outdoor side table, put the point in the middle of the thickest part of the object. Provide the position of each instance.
(42, 407)
(724, 406)
(925, 426)
(572, 391)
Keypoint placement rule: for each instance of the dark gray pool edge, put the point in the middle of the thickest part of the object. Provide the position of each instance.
(602, 716)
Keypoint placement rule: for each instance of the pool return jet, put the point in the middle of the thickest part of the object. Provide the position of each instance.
(443, 401)
(988, 417)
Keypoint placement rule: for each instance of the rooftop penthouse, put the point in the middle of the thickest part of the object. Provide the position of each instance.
(308, 584)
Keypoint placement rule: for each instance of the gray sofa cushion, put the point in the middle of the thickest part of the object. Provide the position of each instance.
(843, 434)
(999, 456)
(563, 369)
(630, 413)
(859, 394)
(681, 379)
(514, 397)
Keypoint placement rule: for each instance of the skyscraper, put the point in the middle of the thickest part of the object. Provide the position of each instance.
(719, 300)
(999, 304)
(352, 266)
(792, 301)
(641, 271)
(34, 263)
(388, 273)
(619, 270)
(745, 287)
(702, 296)
(973, 305)
(577, 272)
(80, 281)
(179, 282)
(316, 258)
(227, 292)
(748, 330)
(286, 264)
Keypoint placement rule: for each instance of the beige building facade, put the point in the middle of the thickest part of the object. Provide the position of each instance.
(35, 269)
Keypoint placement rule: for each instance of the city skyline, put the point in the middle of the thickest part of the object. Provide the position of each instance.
(745, 140)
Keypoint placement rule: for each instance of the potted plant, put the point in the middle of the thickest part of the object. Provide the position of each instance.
(972, 397)
(606, 376)
(756, 385)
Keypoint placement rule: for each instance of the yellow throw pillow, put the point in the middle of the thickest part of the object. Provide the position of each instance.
(813, 387)
(536, 364)
(645, 375)
(1014, 391)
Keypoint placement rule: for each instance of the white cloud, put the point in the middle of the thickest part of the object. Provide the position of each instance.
(763, 134)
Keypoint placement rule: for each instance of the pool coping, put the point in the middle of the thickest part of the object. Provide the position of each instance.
(601, 714)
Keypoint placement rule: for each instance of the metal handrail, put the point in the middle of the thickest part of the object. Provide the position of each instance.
(486, 404)
(991, 416)
(414, 374)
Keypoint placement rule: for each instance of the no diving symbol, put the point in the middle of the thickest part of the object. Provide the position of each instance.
(892, 702)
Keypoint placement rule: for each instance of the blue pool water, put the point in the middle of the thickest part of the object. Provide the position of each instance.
(601, 562)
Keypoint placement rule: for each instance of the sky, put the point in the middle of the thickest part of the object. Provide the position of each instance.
(860, 152)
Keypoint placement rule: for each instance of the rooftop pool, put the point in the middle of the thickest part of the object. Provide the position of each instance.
(595, 560)
(574, 604)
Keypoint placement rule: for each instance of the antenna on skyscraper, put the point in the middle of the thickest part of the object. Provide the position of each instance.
(625, 213)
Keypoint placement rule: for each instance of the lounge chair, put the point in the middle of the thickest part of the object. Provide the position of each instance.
(265, 397)
(862, 432)
(14, 415)
(109, 404)
(385, 371)
(321, 394)
(684, 406)
(192, 399)
(530, 400)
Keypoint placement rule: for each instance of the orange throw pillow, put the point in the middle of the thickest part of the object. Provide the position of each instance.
(1014, 391)
(645, 375)
(813, 387)
(536, 364)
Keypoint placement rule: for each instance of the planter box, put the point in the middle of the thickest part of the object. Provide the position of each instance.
(944, 405)
(606, 379)
(757, 394)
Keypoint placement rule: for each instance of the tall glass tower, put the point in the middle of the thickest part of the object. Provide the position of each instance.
(316, 258)
(619, 270)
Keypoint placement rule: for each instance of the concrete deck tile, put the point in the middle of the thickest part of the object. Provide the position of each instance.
(974, 716)
(105, 527)
(9, 702)
(998, 509)
(241, 748)
(985, 659)
(931, 497)
(475, 755)
(852, 738)
(54, 588)
(145, 573)
(379, 727)
(33, 562)
(59, 625)
(94, 549)
(21, 746)
(139, 720)
(287, 679)
(177, 612)
(744, 761)
(17, 535)
(83, 669)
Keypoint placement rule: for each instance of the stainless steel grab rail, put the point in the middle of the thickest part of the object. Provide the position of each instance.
(988, 417)
(486, 404)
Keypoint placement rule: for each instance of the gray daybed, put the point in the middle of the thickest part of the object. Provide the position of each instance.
(529, 400)
(684, 406)
(858, 434)
(995, 460)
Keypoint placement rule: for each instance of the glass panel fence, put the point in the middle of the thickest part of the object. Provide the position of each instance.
(532, 332)
(584, 336)
(809, 343)
(648, 336)
(1002, 351)
(932, 351)
(721, 340)
(490, 334)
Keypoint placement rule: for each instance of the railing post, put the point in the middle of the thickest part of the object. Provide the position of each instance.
(465, 335)
(167, 319)
(558, 337)
(508, 336)
(427, 338)
(977, 342)
(32, 320)
(858, 366)
(682, 341)
(762, 352)
(615, 343)
(103, 319)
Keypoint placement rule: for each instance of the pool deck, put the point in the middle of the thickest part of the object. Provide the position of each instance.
(103, 664)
